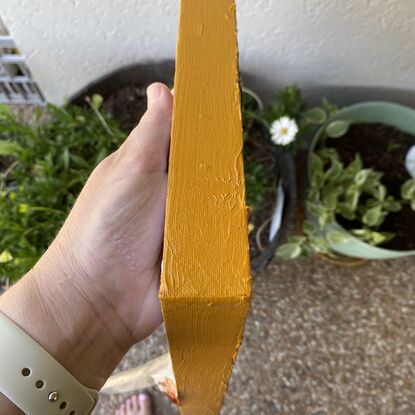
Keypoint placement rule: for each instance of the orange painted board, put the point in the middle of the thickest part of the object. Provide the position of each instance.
(205, 287)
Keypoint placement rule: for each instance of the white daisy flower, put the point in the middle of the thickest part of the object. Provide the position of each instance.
(284, 131)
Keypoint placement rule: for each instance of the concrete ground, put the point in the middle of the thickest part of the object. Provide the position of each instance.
(320, 340)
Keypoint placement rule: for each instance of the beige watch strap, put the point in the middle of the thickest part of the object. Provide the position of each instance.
(34, 381)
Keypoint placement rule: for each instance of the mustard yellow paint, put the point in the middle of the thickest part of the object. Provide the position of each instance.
(206, 285)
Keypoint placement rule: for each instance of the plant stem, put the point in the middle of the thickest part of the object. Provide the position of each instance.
(99, 116)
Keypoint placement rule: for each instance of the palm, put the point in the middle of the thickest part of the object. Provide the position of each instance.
(114, 233)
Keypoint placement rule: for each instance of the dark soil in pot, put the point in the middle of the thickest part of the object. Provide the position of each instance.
(383, 148)
(127, 105)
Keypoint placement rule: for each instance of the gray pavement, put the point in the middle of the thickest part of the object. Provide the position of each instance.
(320, 340)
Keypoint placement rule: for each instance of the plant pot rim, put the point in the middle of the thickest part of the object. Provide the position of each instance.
(356, 245)
(138, 73)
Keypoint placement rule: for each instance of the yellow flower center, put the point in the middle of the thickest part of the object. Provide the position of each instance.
(284, 131)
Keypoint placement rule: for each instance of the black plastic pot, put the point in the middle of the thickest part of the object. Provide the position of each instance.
(142, 75)
(286, 171)
(139, 75)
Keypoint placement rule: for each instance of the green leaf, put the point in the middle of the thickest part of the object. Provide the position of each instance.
(372, 237)
(377, 238)
(393, 146)
(373, 217)
(289, 251)
(352, 197)
(101, 155)
(335, 170)
(317, 180)
(319, 244)
(317, 165)
(325, 218)
(354, 167)
(362, 176)
(313, 195)
(361, 233)
(330, 201)
(6, 257)
(23, 208)
(329, 154)
(408, 189)
(309, 227)
(79, 161)
(346, 211)
(315, 209)
(298, 239)
(66, 159)
(381, 192)
(9, 148)
(392, 205)
(329, 107)
(337, 129)
(258, 183)
(338, 237)
(97, 100)
(316, 116)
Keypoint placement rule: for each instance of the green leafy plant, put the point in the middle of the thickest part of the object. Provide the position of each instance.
(290, 119)
(288, 102)
(49, 163)
(258, 178)
(258, 181)
(350, 192)
(289, 110)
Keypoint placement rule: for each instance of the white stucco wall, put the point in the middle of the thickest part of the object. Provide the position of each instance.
(69, 43)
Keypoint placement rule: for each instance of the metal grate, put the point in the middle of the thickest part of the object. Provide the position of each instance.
(16, 83)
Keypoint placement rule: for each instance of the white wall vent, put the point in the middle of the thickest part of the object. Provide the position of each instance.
(16, 83)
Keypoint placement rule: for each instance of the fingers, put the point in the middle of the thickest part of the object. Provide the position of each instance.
(148, 144)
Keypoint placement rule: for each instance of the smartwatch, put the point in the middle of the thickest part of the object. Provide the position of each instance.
(35, 381)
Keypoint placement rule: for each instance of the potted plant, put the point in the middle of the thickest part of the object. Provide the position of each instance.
(361, 196)
(269, 170)
(270, 181)
(45, 162)
(43, 166)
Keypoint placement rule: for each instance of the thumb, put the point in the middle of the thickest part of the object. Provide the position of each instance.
(149, 141)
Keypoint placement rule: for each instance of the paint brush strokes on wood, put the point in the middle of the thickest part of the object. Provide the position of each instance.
(206, 285)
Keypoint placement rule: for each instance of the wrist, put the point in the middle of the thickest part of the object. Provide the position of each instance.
(76, 326)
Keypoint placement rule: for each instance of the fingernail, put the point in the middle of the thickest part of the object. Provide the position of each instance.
(143, 397)
(153, 92)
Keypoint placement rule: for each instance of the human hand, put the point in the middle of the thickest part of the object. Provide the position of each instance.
(94, 293)
(113, 236)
